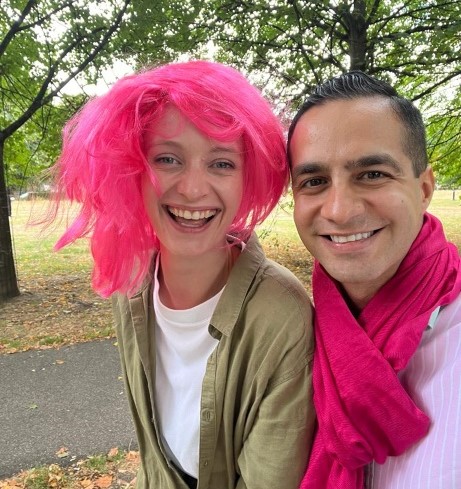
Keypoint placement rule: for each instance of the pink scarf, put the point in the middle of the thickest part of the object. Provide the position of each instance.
(364, 413)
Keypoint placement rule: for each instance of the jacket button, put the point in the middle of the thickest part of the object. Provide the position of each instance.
(207, 415)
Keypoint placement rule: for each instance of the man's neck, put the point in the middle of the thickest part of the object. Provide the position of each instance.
(355, 305)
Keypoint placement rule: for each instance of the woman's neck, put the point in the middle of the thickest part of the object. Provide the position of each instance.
(186, 282)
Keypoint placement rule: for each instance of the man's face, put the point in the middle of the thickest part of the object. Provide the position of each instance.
(358, 204)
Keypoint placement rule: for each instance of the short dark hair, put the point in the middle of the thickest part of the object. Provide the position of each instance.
(356, 84)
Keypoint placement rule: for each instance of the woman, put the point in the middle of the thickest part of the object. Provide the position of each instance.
(174, 168)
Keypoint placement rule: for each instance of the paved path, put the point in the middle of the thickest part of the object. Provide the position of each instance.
(71, 397)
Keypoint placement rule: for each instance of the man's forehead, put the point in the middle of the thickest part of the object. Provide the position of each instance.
(363, 106)
(364, 120)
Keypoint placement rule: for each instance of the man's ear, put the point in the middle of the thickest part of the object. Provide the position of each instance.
(427, 185)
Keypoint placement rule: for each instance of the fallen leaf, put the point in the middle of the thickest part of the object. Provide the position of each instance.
(63, 452)
(113, 452)
(86, 483)
(59, 362)
(132, 456)
(33, 406)
(103, 482)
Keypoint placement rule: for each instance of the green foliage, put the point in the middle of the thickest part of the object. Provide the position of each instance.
(296, 44)
(444, 137)
(97, 463)
(160, 31)
(38, 479)
(57, 41)
(286, 47)
(44, 45)
(36, 145)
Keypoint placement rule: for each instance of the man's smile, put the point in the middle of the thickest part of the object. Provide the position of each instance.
(350, 237)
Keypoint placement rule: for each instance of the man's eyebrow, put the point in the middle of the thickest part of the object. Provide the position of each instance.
(363, 162)
(308, 168)
(373, 160)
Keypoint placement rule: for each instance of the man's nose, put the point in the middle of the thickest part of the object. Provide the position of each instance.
(342, 204)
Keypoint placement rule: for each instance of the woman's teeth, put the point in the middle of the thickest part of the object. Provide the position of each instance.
(193, 215)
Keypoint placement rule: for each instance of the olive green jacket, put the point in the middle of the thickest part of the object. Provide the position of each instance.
(257, 415)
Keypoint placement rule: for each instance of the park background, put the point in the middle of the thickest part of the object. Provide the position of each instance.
(55, 54)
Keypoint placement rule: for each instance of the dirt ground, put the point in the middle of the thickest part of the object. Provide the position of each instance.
(117, 470)
(52, 311)
(62, 309)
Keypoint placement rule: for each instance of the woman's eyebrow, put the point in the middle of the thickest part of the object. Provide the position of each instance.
(159, 141)
(226, 149)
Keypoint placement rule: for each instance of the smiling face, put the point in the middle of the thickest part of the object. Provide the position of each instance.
(200, 182)
(358, 204)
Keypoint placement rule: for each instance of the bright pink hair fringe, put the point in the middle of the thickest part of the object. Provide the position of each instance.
(102, 160)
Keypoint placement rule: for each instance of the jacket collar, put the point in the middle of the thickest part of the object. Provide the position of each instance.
(231, 302)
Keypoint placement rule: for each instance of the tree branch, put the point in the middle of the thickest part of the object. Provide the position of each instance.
(16, 26)
(41, 98)
(436, 85)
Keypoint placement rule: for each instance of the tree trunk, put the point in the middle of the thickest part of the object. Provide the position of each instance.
(358, 36)
(8, 279)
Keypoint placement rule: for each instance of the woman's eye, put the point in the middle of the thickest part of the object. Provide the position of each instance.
(223, 164)
(166, 160)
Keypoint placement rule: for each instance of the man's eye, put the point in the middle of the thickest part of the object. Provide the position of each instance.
(372, 175)
(312, 182)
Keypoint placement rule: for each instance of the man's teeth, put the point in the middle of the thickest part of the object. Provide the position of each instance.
(194, 215)
(351, 237)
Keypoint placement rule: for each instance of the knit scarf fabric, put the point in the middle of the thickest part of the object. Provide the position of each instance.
(364, 413)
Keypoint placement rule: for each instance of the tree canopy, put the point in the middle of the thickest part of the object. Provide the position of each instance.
(413, 44)
(287, 46)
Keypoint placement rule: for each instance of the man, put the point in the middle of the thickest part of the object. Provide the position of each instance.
(386, 285)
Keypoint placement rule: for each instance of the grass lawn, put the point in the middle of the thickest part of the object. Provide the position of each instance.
(57, 305)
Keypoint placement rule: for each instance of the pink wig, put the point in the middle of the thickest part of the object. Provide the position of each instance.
(103, 161)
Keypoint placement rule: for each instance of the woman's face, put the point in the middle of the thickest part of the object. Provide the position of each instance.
(200, 183)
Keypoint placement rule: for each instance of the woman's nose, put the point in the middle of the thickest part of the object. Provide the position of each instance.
(192, 184)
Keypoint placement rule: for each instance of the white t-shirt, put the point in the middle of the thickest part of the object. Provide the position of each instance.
(183, 346)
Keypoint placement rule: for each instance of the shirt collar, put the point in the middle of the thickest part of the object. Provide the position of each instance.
(239, 283)
(433, 318)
